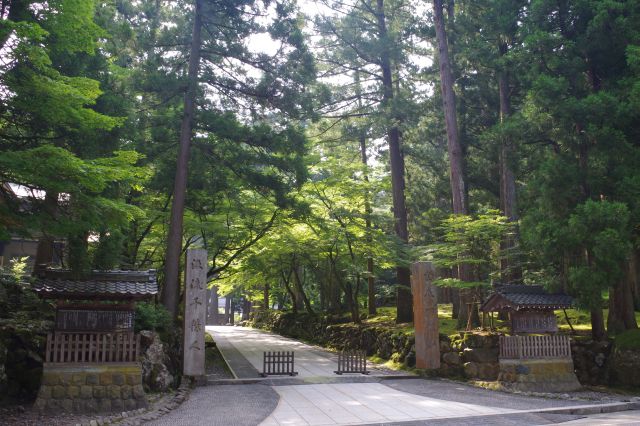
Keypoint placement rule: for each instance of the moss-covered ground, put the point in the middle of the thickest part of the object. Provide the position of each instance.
(215, 366)
(580, 320)
(628, 340)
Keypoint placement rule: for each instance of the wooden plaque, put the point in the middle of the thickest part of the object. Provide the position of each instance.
(195, 309)
(94, 320)
(533, 322)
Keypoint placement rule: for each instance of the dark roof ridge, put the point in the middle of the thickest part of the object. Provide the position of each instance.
(103, 284)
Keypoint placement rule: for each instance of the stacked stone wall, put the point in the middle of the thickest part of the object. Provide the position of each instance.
(91, 388)
(625, 368)
(469, 355)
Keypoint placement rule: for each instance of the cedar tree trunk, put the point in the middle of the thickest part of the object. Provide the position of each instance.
(171, 288)
(456, 156)
(404, 303)
(44, 252)
(508, 201)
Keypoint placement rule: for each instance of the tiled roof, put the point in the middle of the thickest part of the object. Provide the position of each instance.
(523, 300)
(523, 297)
(110, 284)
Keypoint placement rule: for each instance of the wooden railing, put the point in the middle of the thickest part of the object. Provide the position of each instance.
(534, 347)
(75, 347)
(352, 362)
(278, 363)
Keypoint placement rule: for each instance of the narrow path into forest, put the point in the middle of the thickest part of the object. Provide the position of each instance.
(243, 350)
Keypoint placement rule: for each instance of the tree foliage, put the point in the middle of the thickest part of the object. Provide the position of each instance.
(318, 156)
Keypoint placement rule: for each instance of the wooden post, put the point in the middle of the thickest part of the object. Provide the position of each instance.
(195, 311)
(425, 315)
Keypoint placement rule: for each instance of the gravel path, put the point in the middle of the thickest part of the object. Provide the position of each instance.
(20, 415)
(241, 405)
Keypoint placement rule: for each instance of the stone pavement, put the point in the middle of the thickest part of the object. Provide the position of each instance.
(363, 403)
(243, 348)
(319, 398)
(619, 418)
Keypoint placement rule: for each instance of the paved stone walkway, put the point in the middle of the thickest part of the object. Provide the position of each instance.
(319, 397)
(243, 349)
(363, 403)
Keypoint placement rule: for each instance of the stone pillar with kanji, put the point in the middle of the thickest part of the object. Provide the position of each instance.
(195, 310)
(425, 315)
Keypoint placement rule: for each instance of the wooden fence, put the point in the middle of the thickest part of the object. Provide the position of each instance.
(352, 362)
(278, 363)
(75, 347)
(534, 347)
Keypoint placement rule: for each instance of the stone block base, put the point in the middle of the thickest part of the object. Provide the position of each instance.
(483, 371)
(538, 375)
(625, 367)
(91, 388)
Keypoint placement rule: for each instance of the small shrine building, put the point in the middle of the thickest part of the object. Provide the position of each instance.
(91, 360)
(535, 357)
(530, 307)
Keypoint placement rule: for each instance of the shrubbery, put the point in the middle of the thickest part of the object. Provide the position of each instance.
(24, 322)
(150, 316)
(628, 340)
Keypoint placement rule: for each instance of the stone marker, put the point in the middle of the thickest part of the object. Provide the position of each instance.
(425, 315)
(195, 310)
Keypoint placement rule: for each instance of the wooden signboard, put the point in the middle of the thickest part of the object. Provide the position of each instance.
(94, 320)
(425, 315)
(533, 322)
(195, 310)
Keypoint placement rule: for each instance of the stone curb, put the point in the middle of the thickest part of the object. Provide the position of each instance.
(275, 381)
(141, 415)
(582, 410)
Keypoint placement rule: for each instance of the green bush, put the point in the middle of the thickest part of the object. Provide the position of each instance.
(628, 340)
(24, 323)
(150, 316)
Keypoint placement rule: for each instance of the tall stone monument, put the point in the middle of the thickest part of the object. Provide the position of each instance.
(425, 315)
(195, 310)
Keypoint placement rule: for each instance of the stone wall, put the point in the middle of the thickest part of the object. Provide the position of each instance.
(91, 388)
(339, 333)
(591, 360)
(625, 367)
(538, 375)
(470, 355)
(3, 374)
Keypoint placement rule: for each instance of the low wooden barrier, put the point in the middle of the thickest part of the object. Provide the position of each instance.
(83, 347)
(278, 363)
(534, 347)
(352, 362)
